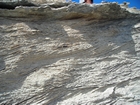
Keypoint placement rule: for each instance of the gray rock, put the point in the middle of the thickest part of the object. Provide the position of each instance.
(69, 54)
(69, 11)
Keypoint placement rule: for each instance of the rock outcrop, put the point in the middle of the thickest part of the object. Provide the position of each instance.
(46, 1)
(13, 5)
(70, 54)
(69, 11)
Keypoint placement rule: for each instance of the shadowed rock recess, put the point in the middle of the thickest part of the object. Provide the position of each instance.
(70, 54)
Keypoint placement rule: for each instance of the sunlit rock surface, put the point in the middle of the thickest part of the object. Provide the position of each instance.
(70, 54)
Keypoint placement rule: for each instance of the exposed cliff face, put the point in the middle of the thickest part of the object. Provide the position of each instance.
(69, 55)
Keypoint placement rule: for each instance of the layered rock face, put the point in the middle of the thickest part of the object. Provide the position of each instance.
(69, 54)
(46, 1)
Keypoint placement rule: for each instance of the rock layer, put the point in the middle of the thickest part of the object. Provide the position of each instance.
(87, 55)
(69, 11)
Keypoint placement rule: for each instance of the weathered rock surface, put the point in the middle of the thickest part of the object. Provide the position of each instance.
(69, 11)
(45, 1)
(76, 54)
(13, 5)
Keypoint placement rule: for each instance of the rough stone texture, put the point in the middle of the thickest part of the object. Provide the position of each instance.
(55, 11)
(46, 1)
(70, 60)
(13, 5)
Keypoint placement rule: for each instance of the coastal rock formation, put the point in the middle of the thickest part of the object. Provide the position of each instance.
(70, 54)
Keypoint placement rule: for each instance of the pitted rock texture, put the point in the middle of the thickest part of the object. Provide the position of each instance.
(70, 61)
